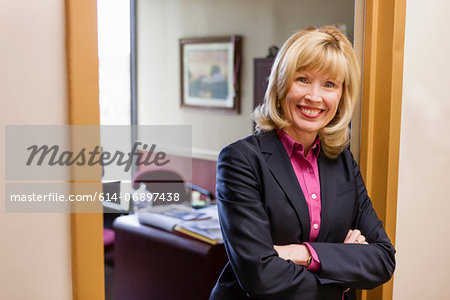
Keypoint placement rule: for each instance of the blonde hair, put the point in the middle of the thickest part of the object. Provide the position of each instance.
(323, 49)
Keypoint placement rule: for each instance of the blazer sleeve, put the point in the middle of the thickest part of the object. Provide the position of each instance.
(354, 265)
(245, 227)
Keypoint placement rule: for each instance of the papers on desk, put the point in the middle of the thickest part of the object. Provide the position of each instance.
(201, 224)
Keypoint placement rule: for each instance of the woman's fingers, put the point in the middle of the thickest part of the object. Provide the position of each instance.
(361, 239)
(355, 237)
(299, 254)
(348, 236)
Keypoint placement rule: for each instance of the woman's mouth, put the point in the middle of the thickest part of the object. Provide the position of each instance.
(310, 112)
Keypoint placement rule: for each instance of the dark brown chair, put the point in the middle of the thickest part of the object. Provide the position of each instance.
(162, 181)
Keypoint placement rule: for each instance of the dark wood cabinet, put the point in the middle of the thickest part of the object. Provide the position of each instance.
(261, 71)
(154, 264)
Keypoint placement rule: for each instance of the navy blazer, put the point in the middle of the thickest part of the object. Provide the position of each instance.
(261, 204)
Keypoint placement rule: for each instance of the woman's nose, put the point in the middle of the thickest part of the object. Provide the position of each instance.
(314, 93)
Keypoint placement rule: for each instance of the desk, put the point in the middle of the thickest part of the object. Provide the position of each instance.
(155, 264)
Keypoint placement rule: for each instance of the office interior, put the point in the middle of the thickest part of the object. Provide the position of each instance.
(400, 130)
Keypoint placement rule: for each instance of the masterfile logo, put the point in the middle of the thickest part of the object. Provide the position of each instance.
(61, 168)
(54, 156)
(85, 152)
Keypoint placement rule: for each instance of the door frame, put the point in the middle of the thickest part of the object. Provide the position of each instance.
(381, 114)
(83, 95)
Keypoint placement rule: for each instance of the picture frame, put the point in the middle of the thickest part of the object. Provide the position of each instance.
(210, 73)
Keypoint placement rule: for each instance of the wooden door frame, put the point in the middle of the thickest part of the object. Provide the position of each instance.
(384, 34)
(83, 96)
(380, 130)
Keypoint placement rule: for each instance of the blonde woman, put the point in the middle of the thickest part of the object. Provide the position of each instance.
(295, 215)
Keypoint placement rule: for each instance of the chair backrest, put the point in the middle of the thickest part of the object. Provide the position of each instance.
(166, 186)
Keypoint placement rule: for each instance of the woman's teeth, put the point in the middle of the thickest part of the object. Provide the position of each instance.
(311, 112)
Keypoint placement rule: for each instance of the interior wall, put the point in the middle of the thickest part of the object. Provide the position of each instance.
(34, 248)
(423, 195)
(261, 23)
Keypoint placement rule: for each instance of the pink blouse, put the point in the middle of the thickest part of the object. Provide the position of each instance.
(307, 172)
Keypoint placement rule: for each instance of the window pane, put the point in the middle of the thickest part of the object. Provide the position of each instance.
(114, 61)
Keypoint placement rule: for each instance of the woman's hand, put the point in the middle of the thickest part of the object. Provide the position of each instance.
(355, 237)
(299, 254)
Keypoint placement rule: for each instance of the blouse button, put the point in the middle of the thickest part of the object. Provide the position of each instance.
(315, 226)
(314, 196)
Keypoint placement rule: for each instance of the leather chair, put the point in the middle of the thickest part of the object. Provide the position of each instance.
(168, 181)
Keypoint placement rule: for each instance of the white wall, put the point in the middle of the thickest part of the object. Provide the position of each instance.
(34, 248)
(423, 212)
(262, 23)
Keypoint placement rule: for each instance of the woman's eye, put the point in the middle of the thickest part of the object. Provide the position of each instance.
(302, 79)
(330, 84)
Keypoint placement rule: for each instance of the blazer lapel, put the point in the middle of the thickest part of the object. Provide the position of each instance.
(279, 164)
(327, 174)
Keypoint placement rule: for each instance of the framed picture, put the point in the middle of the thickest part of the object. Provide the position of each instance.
(210, 73)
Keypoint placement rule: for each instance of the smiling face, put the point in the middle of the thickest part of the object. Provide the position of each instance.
(311, 103)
